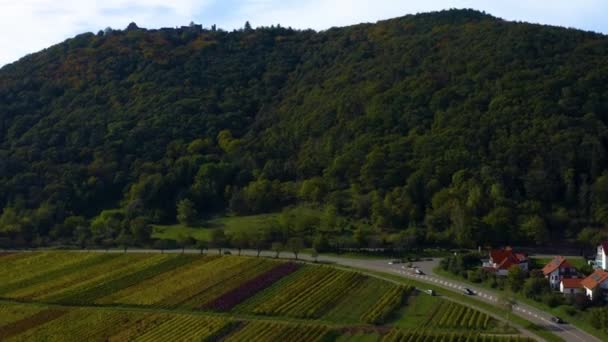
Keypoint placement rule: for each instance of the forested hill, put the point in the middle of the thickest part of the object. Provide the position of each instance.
(455, 127)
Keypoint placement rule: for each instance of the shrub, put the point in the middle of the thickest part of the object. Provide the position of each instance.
(552, 299)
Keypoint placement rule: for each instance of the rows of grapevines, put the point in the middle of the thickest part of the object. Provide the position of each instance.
(388, 303)
(226, 281)
(453, 315)
(88, 324)
(397, 335)
(249, 288)
(126, 264)
(267, 331)
(54, 289)
(81, 262)
(20, 266)
(355, 303)
(175, 287)
(311, 296)
(29, 322)
(157, 288)
(103, 289)
(186, 328)
(10, 313)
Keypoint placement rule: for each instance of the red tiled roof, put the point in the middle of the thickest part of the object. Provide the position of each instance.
(572, 283)
(505, 258)
(557, 262)
(596, 278)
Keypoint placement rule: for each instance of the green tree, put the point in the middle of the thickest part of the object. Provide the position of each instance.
(516, 278)
(184, 241)
(260, 240)
(201, 245)
(315, 255)
(124, 240)
(218, 239)
(141, 230)
(536, 230)
(277, 248)
(295, 245)
(186, 212)
(240, 241)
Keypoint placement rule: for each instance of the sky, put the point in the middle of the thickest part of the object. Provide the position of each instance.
(28, 26)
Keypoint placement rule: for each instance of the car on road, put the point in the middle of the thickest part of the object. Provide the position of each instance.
(395, 262)
(418, 271)
(468, 291)
(557, 320)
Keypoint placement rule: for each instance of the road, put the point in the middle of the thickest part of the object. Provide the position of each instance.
(567, 332)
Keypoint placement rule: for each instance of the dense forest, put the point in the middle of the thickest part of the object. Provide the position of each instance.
(452, 128)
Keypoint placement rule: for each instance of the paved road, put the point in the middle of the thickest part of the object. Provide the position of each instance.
(566, 331)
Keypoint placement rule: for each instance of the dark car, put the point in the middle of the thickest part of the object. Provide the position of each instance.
(418, 271)
(557, 320)
(468, 291)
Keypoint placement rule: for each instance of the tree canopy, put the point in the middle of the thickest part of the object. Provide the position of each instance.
(470, 128)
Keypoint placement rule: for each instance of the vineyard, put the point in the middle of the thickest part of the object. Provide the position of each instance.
(69, 296)
(450, 315)
(430, 336)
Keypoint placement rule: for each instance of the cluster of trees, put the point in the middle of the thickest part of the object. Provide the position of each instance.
(294, 229)
(456, 126)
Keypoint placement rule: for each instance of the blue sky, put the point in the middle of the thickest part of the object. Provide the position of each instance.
(28, 26)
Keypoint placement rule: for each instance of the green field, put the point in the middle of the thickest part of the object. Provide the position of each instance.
(77, 296)
(230, 225)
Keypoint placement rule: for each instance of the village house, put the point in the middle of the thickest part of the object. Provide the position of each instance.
(558, 269)
(571, 286)
(601, 258)
(596, 285)
(502, 259)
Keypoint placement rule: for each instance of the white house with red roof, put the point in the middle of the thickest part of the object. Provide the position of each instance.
(558, 269)
(502, 259)
(596, 284)
(601, 258)
(571, 286)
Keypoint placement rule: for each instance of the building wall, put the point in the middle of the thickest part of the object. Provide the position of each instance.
(601, 259)
(554, 279)
(569, 291)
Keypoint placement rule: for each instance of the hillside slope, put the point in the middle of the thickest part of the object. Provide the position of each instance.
(468, 127)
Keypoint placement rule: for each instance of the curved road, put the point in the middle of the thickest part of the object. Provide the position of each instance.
(567, 332)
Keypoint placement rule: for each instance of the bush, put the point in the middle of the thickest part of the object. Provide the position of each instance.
(570, 311)
(475, 276)
(580, 301)
(552, 299)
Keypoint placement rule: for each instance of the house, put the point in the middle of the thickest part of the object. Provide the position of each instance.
(601, 258)
(571, 286)
(558, 269)
(596, 284)
(502, 259)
